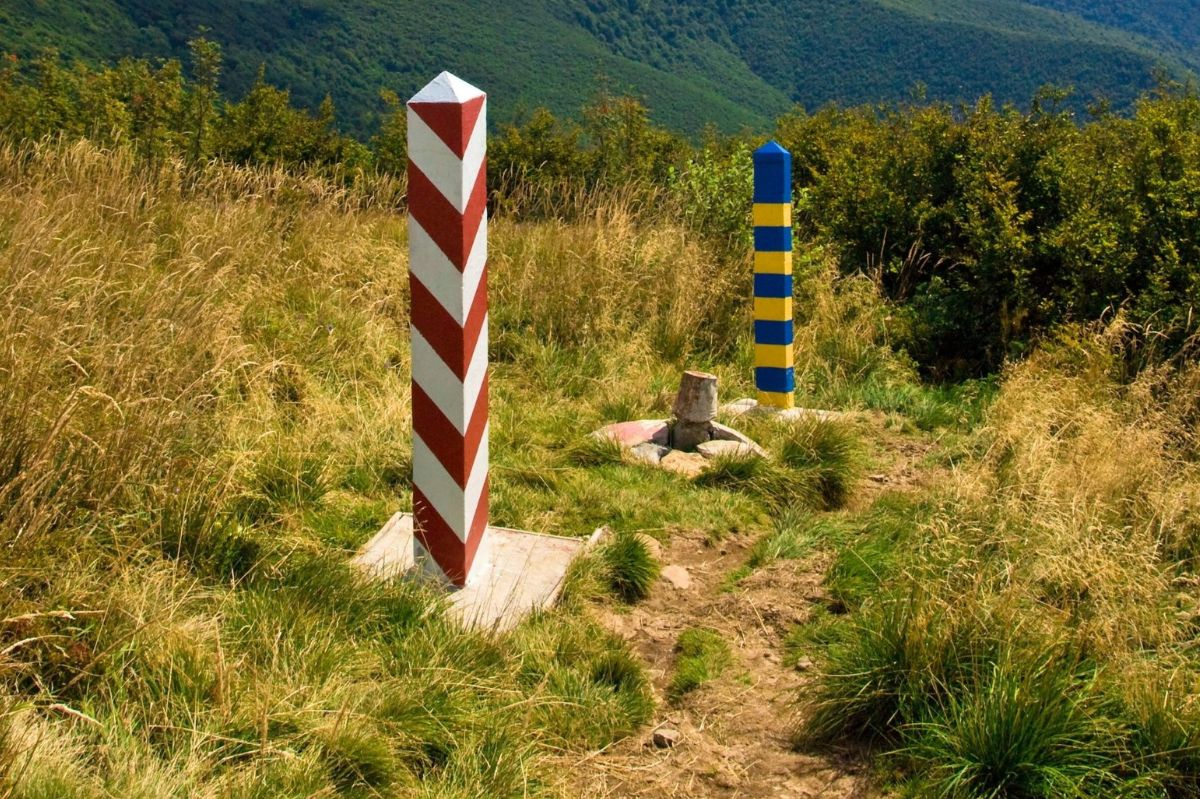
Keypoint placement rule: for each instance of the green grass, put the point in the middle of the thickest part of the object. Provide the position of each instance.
(1016, 630)
(630, 568)
(1024, 728)
(702, 655)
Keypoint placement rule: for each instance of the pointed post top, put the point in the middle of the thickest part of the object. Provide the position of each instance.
(771, 149)
(772, 174)
(447, 88)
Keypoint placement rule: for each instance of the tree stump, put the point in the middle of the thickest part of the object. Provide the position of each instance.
(695, 409)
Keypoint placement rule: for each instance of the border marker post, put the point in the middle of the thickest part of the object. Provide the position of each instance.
(774, 365)
(447, 180)
(496, 575)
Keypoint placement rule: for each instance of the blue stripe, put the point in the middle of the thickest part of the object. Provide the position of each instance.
(768, 285)
(772, 174)
(771, 378)
(773, 332)
(773, 239)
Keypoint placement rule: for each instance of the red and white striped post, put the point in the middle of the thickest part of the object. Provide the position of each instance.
(447, 213)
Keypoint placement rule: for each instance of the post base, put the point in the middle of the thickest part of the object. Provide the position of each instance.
(744, 406)
(514, 572)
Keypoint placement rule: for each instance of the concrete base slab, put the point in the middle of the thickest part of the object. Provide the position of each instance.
(514, 572)
(743, 406)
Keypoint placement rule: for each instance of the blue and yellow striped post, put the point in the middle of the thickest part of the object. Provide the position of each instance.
(774, 371)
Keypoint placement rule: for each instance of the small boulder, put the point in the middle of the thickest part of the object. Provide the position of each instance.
(687, 464)
(728, 449)
(649, 453)
(666, 737)
(724, 433)
(651, 544)
(630, 434)
(677, 576)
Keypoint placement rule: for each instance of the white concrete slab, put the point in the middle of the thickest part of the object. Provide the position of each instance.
(744, 406)
(514, 573)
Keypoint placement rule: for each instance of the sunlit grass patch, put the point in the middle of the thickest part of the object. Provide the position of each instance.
(702, 655)
(630, 568)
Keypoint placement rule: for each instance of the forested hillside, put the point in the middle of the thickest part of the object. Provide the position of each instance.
(732, 63)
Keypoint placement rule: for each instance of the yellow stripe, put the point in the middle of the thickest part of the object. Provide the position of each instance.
(776, 399)
(773, 309)
(777, 355)
(773, 263)
(772, 214)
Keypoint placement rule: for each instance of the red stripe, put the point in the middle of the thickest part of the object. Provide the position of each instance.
(455, 451)
(453, 556)
(452, 122)
(453, 343)
(454, 233)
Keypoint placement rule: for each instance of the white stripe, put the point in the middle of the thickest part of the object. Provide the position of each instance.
(450, 175)
(456, 506)
(476, 150)
(453, 289)
(456, 399)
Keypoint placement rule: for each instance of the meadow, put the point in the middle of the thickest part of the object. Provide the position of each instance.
(204, 411)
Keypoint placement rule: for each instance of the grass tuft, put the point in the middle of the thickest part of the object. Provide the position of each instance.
(630, 566)
(702, 655)
(827, 449)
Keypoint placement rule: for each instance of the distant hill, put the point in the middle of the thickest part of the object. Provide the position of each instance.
(731, 62)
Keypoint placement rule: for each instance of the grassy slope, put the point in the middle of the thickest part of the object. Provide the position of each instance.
(740, 66)
(204, 410)
(958, 51)
(1168, 22)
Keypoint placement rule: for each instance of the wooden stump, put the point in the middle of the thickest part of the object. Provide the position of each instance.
(695, 409)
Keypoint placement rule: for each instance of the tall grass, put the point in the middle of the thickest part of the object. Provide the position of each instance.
(1009, 630)
(204, 408)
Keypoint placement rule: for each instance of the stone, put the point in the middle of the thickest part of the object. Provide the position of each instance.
(747, 405)
(738, 407)
(695, 408)
(651, 544)
(723, 433)
(649, 453)
(677, 576)
(630, 434)
(728, 449)
(804, 664)
(687, 464)
(666, 737)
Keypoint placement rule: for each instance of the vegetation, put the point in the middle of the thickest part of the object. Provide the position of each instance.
(1029, 629)
(630, 566)
(703, 655)
(737, 63)
(204, 411)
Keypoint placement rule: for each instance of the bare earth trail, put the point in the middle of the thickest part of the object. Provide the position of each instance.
(736, 730)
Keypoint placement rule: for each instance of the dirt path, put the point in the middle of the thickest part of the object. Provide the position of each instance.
(736, 730)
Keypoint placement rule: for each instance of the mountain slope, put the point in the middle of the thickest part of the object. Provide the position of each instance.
(732, 62)
(1173, 25)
